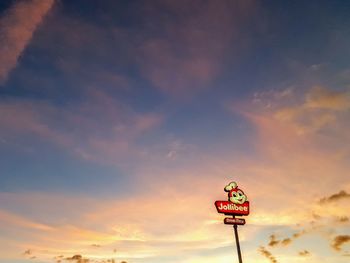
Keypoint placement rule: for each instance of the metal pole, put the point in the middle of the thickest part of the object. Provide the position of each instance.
(237, 244)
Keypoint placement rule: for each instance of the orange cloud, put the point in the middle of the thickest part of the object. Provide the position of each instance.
(17, 27)
(319, 109)
(322, 98)
(297, 143)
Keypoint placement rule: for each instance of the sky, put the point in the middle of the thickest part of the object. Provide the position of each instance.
(121, 122)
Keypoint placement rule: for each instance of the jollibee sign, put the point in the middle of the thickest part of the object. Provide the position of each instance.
(237, 203)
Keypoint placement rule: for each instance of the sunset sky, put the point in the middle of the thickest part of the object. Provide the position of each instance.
(121, 122)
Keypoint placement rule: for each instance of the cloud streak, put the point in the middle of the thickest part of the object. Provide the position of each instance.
(17, 27)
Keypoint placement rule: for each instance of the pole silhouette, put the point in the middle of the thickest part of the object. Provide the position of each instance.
(237, 244)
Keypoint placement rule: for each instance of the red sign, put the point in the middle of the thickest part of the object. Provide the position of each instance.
(237, 203)
(234, 221)
(229, 208)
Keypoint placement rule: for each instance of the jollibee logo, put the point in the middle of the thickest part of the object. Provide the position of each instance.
(235, 195)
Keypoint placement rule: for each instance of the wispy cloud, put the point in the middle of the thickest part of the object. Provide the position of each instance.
(189, 53)
(17, 26)
(319, 109)
(100, 128)
(21, 222)
(305, 134)
(322, 98)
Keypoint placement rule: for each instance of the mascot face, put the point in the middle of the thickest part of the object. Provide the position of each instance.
(237, 196)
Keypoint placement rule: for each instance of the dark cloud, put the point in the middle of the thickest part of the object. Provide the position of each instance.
(335, 197)
(304, 253)
(27, 252)
(80, 259)
(300, 233)
(338, 241)
(286, 241)
(273, 241)
(77, 259)
(343, 219)
(263, 251)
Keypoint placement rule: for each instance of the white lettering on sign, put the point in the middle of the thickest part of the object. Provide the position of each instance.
(227, 207)
(233, 207)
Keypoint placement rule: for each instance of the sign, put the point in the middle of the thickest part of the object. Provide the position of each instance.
(234, 221)
(237, 203)
(229, 208)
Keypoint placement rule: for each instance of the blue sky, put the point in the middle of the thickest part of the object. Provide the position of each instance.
(110, 105)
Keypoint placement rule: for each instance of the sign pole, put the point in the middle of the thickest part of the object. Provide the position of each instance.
(237, 244)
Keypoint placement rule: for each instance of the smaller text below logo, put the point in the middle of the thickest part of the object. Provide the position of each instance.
(234, 221)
